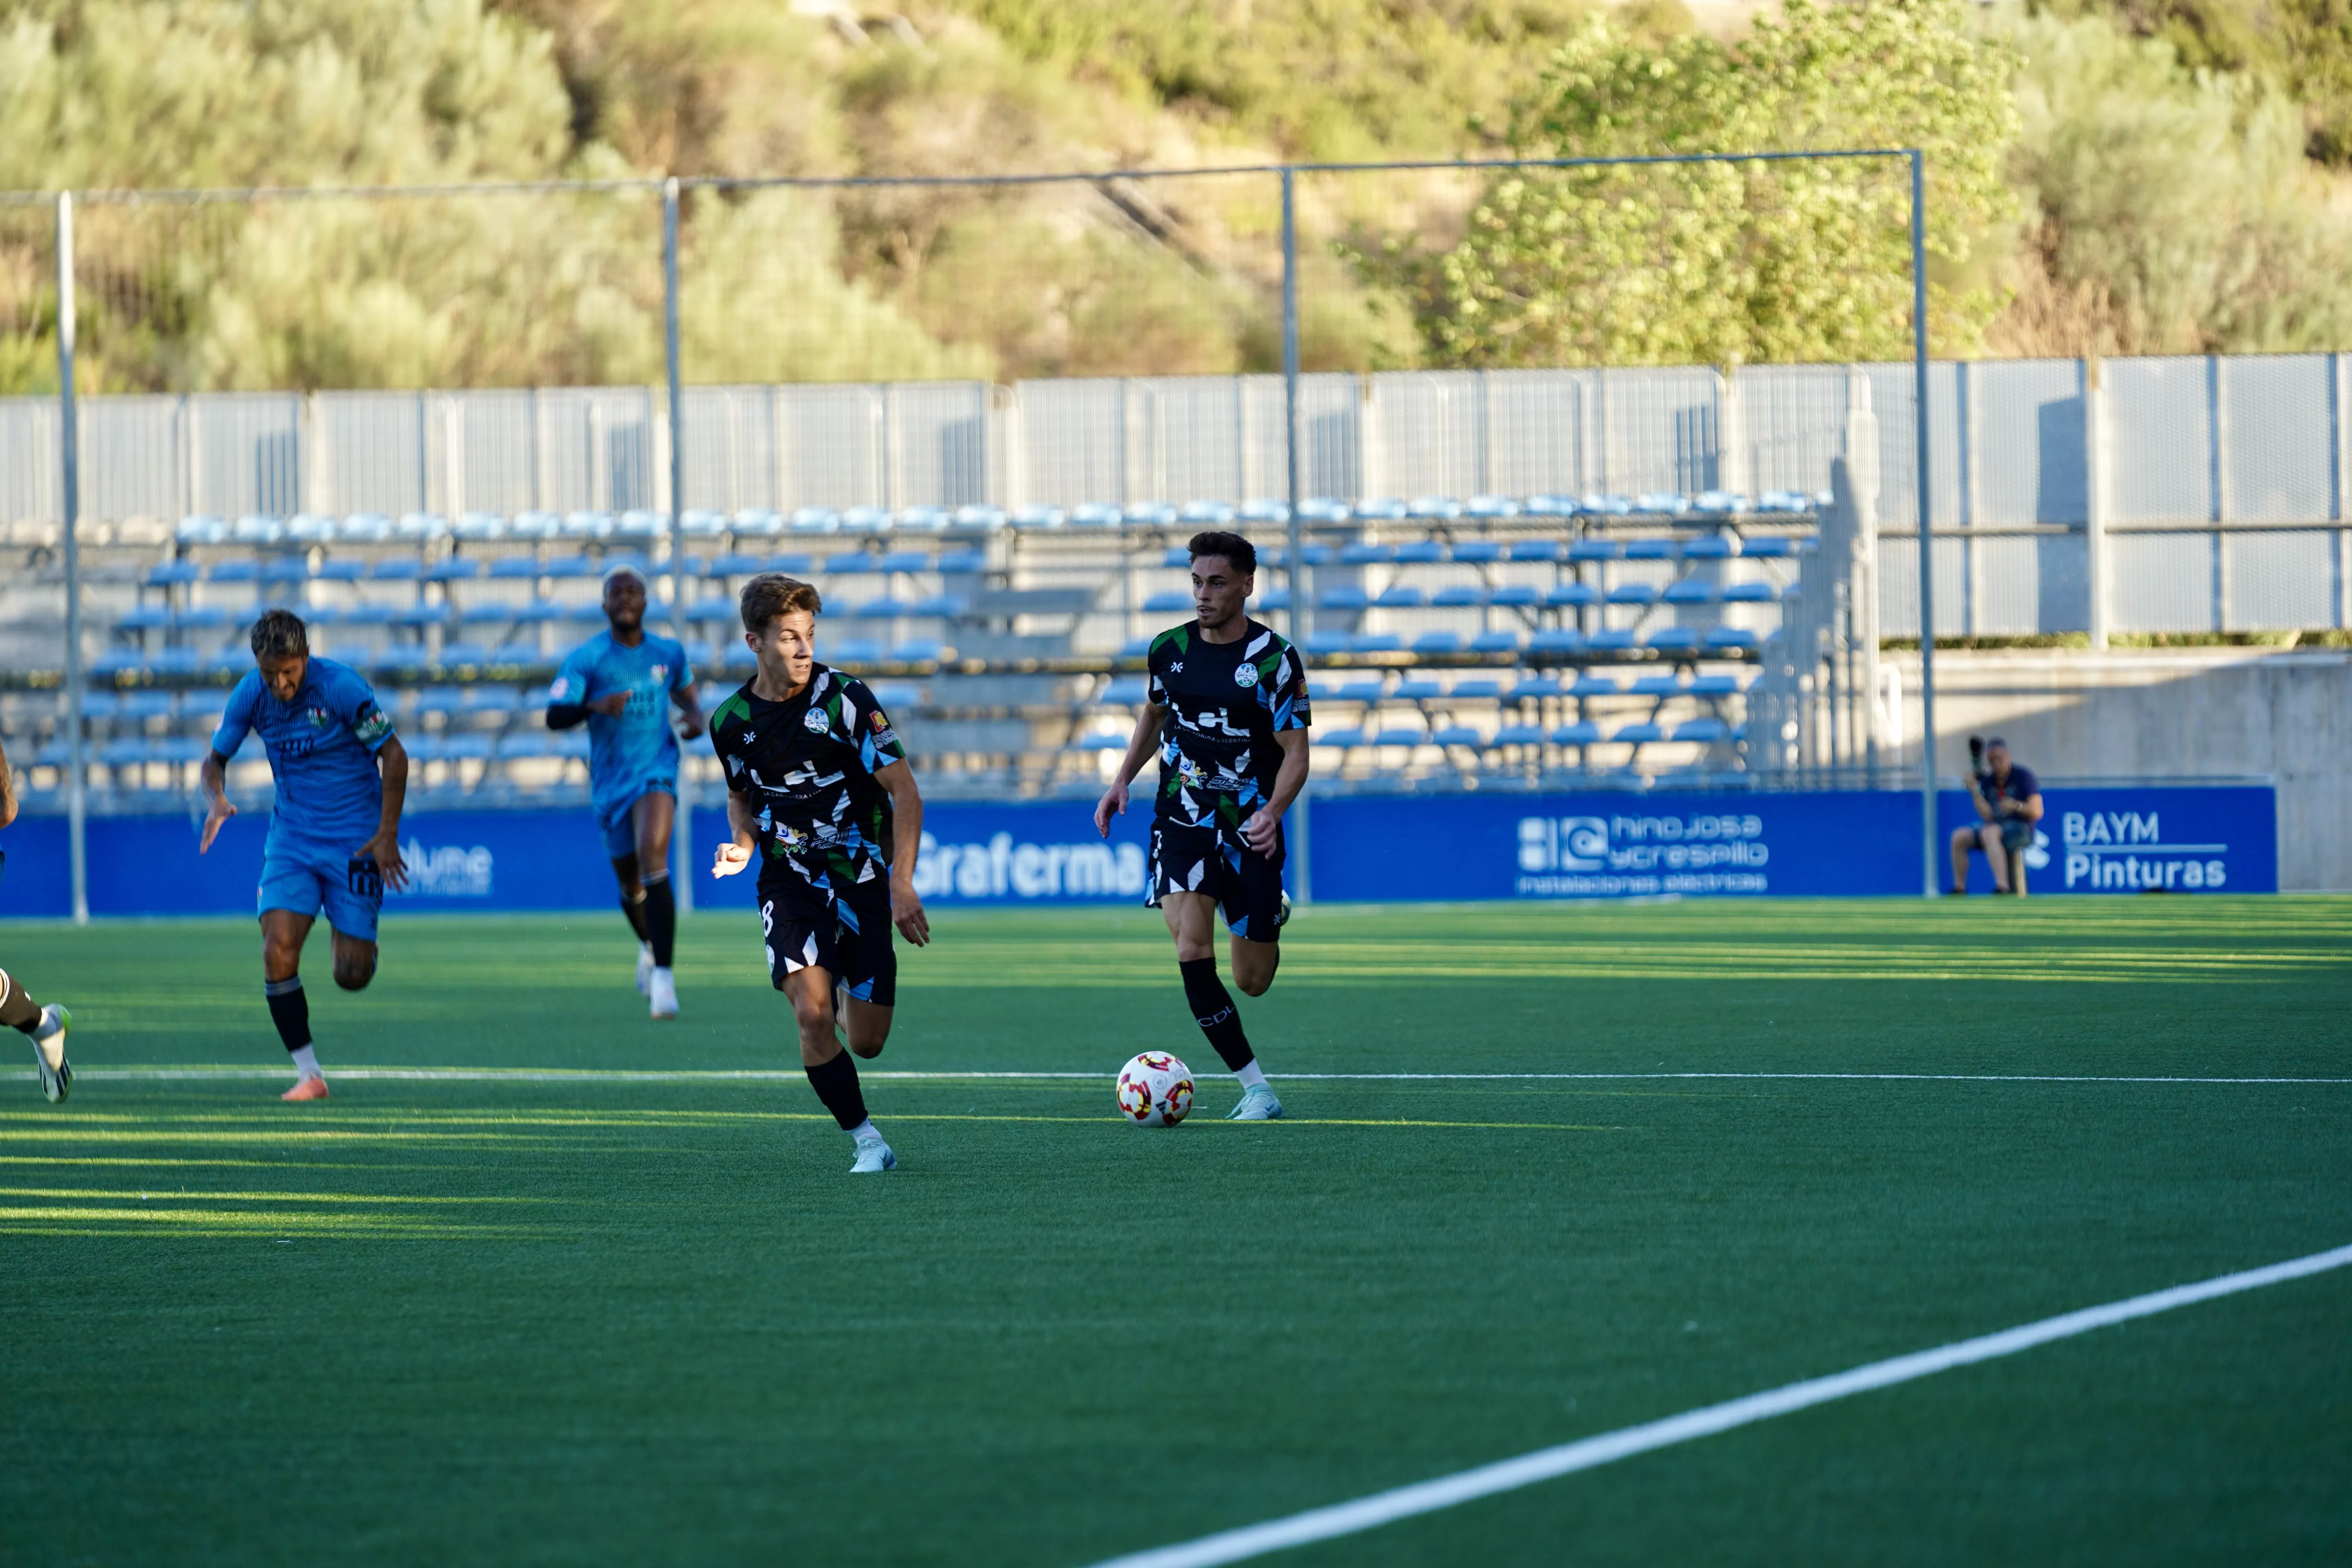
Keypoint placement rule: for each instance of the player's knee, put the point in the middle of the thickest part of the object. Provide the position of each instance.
(353, 974)
(815, 1016)
(868, 1049)
(1254, 984)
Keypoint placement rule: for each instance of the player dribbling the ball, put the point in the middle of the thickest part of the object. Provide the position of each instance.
(1227, 714)
(819, 789)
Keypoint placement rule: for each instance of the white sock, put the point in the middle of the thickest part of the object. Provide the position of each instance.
(1252, 1075)
(306, 1063)
(662, 974)
(866, 1133)
(645, 950)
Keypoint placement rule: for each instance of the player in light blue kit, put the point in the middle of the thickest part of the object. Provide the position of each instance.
(620, 683)
(335, 833)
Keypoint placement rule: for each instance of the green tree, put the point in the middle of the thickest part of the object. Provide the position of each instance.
(1723, 263)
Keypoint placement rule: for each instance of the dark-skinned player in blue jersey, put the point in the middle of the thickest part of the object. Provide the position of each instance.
(1227, 716)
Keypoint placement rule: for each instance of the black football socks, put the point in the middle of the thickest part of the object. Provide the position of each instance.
(658, 911)
(835, 1083)
(290, 1009)
(17, 1010)
(636, 910)
(1213, 1010)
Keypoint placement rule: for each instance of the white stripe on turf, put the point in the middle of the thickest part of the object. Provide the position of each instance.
(703, 1075)
(1547, 1464)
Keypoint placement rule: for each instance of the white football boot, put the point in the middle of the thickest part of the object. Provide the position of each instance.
(1258, 1104)
(645, 968)
(662, 990)
(873, 1157)
(49, 1039)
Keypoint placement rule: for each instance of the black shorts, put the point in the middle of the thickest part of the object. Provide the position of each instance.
(1247, 885)
(847, 935)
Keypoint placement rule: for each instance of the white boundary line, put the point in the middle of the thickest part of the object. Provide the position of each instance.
(792, 1075)
(1547, 1464)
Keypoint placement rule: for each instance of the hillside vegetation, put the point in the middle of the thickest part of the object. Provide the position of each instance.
(2149, 178)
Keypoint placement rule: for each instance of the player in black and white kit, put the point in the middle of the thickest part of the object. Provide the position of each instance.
(819, 789)
(1227, 715)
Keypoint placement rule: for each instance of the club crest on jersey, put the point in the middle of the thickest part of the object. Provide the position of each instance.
(817, 721)
(318, 717)
(1245, 675)
(661, 673)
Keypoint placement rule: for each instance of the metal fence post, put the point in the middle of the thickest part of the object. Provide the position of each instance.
(1925, 492)
(2096, 500)
(70, 499)
(1295, 560)
(683, 888)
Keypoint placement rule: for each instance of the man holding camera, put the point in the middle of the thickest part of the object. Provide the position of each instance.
(2007, 799)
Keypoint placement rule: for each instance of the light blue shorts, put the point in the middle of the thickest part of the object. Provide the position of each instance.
(619, 825)
(305, 878)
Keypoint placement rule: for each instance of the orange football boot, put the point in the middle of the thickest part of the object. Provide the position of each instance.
(307, 1088)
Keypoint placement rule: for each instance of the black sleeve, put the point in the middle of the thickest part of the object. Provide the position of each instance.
(565, 715)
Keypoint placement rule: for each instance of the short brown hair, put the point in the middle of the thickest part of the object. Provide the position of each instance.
(1236, 550)
(771, 593)
(279, 634)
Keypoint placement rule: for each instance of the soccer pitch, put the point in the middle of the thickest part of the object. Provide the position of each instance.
(526, 1317)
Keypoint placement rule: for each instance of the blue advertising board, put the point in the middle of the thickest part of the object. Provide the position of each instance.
(2220, 839)
(1368, 848)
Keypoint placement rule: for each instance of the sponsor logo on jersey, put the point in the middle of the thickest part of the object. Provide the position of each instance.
(561, 689)
(881, 725)
(375, 725)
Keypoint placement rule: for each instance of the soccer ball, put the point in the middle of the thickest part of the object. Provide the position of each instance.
(1155, 1089)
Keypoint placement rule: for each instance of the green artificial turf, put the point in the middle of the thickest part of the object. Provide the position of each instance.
(614, 1320)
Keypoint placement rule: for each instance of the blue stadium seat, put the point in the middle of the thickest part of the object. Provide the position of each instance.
(1584, 733)
(1556, 640)
(1099, 742)
(943, 606)
(854, 650)
(421, 747)
(536, 612)
(1094, 514)
(1313, 554)
(1534, 686)
(173, 574)
(1419, 688)
(1572, 596)
(1125, 692)
(925, 518)
(1549, 506)
(963, 563)
(1381, 509)
(1638, 734)
(1715, 686)
(1039, 517)
(1784, 501)
(236, 569)
(1716, 503)
(518, 651)
(1749, 594)
(1518, 735)
(1591, 683)
(517, 567)
(203, 618)
(420, 526)
(587, 523)
(1400, 598)
(1370, 690)
(816, 520)
(1515, 596)
(474, 748)
(1362, 554)
(1457, 735)
(1662, 503)
(1491, 507)
(1274, 598)
(1689, 591)
(1476, 551)
(1323, 509)
(344, 569)
(1375, 642)
(1633, 594)
(1594, 505)
(738, 658)
(128, 751)
(733, 564)
(905, 561)
(422, 616)
(925, 650)
(1167, 602)
(1768, 547)
(1266, 512)
(1148, 514)
(145, 618)
(464, 653)
(397, 569)
(1595, 549)
(853, 563)
(1420, 553)
(1656, 686)
(881, 609)
(980, 517)
(1477, 688)
(1502, 640)
(1347, 596)
(1430, 509)
(1322, 642)
(1649, 550)
(1710, 547)
(454, 569)
(1703, 730)
(534, 525)
(701, 522)
(790, 565)
(1725, 639)
(1437, 642)
(1535, 550)
(713, 609)
(1135, 647)
(1458, 595)
(1346, 740)
(1672, 639)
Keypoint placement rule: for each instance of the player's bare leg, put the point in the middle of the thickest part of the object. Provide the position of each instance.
(45, 1027)
(1191, 920)
(653, 816)
(832, 1071)
(283, 932)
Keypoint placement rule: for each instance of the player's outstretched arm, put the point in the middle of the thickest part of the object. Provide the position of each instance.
(217, 810)
(736, 853)
(1146, 740)
(385, 848)
(906, 837)
(7, 792)
(1259, 832)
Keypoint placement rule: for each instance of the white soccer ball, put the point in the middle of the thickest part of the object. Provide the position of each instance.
(1155, 1089)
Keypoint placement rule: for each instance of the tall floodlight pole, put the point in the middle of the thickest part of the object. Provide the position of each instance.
(1926, 514)
(70, 496)
(683, 887)
(1294, 558)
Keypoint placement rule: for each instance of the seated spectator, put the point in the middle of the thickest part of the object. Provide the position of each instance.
(2007, 799)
